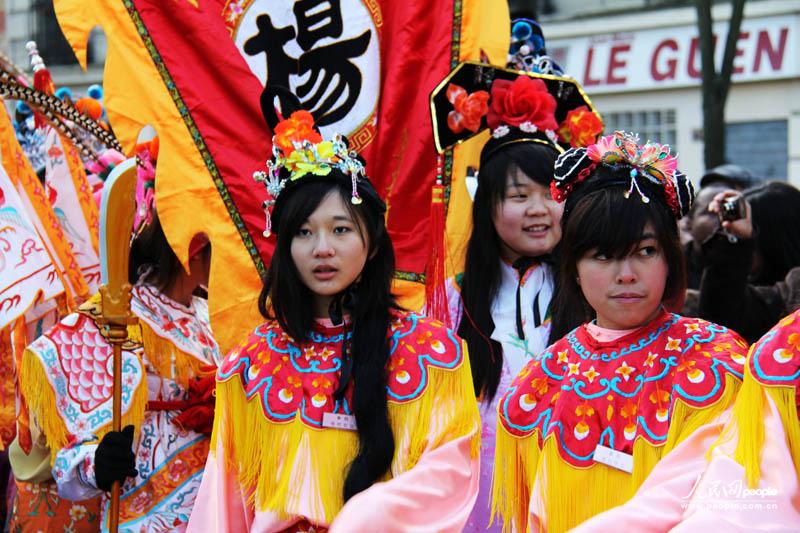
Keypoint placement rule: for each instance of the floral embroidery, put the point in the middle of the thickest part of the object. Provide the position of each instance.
(293, 379)
(613, 400)
(775, 358)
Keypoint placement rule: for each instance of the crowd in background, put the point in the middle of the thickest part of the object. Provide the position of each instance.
(742, 263)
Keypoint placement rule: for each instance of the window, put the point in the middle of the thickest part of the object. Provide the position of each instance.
(656, 126)
(53, 47)
(760, 147)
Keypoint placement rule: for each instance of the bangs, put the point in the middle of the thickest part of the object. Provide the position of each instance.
(297, 208)
(535, 160)
(610, 224)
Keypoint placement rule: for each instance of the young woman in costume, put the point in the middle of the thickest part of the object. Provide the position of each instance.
(167, 406)
(750, 480)
(585, 422)
(501, 304)
(341, 411)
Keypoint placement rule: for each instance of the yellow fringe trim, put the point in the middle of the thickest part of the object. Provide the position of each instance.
(41, 400)
(570, 495)
(272, 460)
(167, 359)
(748, 425)
(786, 402)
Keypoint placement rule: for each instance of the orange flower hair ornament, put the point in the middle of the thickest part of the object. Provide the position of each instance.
(298, 150)
(468, 109)
(580, 127)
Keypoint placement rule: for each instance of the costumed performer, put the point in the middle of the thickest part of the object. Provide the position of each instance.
(500, 305)
(168, 365)
(585, 422)
(750, 481)
(342, 410)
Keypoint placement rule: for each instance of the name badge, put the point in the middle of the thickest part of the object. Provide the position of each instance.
(613, 458)
(339, 421)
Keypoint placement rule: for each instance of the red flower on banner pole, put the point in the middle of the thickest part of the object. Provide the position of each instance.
(468, 109)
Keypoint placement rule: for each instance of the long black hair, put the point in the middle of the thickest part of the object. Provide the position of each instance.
(776, 207)
(370, 302)
(482, 269)
(151, 253)
(605, 221)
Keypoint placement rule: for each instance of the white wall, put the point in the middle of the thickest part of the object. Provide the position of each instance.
(747, 102)
(777, 99)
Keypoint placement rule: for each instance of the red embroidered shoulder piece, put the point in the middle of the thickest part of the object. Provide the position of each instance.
(775, 358)
(298, 379)
(587, 393)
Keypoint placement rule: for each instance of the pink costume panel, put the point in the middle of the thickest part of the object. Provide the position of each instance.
(273, 399)
(435, 495)
(687, 493)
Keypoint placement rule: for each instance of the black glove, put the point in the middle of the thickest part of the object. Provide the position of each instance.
(113, 459)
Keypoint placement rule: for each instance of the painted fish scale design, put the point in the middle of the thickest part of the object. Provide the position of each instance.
(84, 356)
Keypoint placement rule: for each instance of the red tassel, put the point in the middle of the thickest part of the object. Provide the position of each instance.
(42, 80)
(435, 291)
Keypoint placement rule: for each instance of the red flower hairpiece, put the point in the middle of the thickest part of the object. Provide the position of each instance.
(524, 100)
(468, 109)
(297, 128)
(581, 127)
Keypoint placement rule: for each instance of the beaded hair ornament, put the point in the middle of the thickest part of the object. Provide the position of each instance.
(298, 151)
(652, 162)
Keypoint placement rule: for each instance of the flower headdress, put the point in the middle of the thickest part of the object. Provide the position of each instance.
(299, 152)
(650, 163)
(516, 106)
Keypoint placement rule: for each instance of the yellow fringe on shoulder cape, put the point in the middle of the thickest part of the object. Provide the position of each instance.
(571, 495)
(41, 399)
(165, 358)
(748, 424)
(271, 458)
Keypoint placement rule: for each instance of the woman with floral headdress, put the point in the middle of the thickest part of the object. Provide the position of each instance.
(501, 305)
(167, 405)
(750, 478)
(585, 422)
(342, 410)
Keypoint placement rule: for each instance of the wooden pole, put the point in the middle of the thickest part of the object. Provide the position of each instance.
(116, 221)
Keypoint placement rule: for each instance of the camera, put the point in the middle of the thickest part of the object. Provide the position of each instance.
(732, 209)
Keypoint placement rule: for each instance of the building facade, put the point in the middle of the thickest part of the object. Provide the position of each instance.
(34, 20)
(639, 61)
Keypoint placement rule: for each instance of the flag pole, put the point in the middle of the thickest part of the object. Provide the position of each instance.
(117, 212)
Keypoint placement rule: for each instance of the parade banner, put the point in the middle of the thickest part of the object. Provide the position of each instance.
(39, 211)
(66, 204)
(27, 274)
(195, 71)
(29, 286)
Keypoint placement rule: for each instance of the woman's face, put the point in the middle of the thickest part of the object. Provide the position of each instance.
(528, 220)
(625, 293)
(328, 251)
